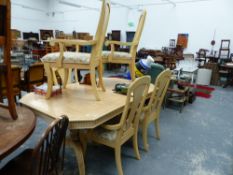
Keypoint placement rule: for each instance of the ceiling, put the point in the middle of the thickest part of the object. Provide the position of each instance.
(130, 4)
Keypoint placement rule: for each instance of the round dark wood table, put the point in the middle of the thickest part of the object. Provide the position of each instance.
(14, 133)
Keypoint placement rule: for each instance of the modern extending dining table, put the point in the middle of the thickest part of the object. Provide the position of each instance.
(83, 111)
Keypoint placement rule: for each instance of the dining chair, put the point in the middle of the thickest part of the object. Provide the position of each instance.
(34, 76)
(125, 57)
(46, 158)
(115, 133)
(16, 82)
(78, 60)
(151, 111)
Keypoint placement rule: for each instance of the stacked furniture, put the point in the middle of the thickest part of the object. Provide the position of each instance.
(128, 58)
(79, 60)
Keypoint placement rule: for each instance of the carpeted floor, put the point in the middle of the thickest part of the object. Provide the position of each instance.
(198, 141)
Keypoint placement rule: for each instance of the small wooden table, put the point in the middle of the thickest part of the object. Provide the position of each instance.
(84, 112)
(13, 133)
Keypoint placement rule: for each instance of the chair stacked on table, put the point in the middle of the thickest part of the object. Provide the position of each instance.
(79, 60)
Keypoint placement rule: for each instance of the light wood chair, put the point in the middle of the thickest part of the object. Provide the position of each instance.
(151, 111)
(125, 57)
(116, 133)
(78, 60)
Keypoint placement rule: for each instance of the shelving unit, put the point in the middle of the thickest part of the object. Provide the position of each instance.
(5, 44)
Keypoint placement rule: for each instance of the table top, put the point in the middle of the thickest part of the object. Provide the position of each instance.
(14, 132)
(78, 103)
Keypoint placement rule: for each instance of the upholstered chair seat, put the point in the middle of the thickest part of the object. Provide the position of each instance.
(69, 57)
(116, 55)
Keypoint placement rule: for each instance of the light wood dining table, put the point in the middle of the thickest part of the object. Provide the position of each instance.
(83, 111)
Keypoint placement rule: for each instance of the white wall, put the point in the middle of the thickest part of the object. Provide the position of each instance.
(200, 20)
(27, 20)
(84, 20)
(163, 22)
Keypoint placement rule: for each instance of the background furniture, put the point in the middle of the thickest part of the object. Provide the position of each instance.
(34, 76)
(182, 40)
(203, 76)
(130, 36)
(88, 115)
(15, 132)
(45, 34)
(48, 155)
(177, 94)
(125, 57)
(151, 110)
(154, 71)
(16, 83)
(115, 133)
(201, 57)
(215, 72)
(5, 43)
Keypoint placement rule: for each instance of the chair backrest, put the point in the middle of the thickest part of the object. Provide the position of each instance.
(101, 31)
(160, 89)
(138, 33)
(48, 155)
(202, 53)
(136, 96)
(34, 75)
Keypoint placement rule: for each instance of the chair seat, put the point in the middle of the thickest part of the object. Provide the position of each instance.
(124, 55)
(69, 57)
(19, 165)
(105, 134)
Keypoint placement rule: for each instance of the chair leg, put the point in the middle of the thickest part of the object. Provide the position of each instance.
(144, 135)
(132, 71)
(49, 73)
(157, 128)
(93, 83)
(118, 159)
(66, 76)
(135, 145)
(100, 73)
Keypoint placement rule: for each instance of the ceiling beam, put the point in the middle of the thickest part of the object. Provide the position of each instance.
(171, 2)
(166, 3)
(76, 5)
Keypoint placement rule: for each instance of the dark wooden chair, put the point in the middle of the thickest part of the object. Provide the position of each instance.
(34, 76)
(201, 57)
(46, 158)
(15, 82)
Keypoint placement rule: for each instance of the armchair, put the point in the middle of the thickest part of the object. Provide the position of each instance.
(125, 57)
(114, 134)
(78, 60)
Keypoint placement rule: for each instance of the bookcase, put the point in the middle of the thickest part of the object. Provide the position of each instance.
(5, 65)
